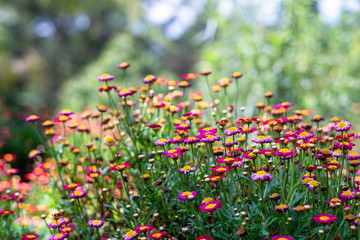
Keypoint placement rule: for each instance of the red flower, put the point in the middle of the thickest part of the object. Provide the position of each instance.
(324, 218)
(205, 237)
(157, 235)
(31, 236)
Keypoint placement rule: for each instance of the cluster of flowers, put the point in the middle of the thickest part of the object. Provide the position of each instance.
(160, 168)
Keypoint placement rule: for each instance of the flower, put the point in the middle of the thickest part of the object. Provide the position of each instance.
(232, 131)
(346, 195)
(95, 223)
(215, 178)
(125, 93)
(130, 235)
(109, 141)
(71, 186)
(56, 223)
(342, 126)
(149, 79)
(353, 156)
(324, 218)
(236, 75)
(120, 167)
(161, 142)
(312, 184)
(187, 169)
(305, 135)
(218, 170)
(262, 139)
(278, 237)
(31, 236)
(77, 193)
(224, 82)
(275, 196)
(210, 206)
(281, 208)
(240, 232)
(123, 65)
(205, 72)
(34, 153)
(143, 228)
(105, 77)
(157, 235)
(67, 228)
(285, 152)
(317, 118)
(187, 195)
(299, 209)
(32, 118)
(191, 140)
(205, 237)
(261, 175)
(58, 236)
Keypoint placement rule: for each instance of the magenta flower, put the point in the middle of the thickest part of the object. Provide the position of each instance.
(228, 160)
(161, 142)
(219, 170)
(56, 223)
(346, 195)
(278, 237)
(32, 118)
(149, 79)
(353, 156)
(125, 93)
(324, 218)
(230, 143)
(143, 228)
(187, 195)
(120, 167)
(182, 127)
(342, 126)
(66, 112)
(173, 153)
(232, 131)
(261, 175)
(176, 139)
(285, 153)
(210, 138)
(210, 206)
(77, 193)
(130, 235)
(216, 178)
(305, 135)
(105, 77)
(58, 236)
(191, 140)
(187, 169)
(262, 139)
(95, 223)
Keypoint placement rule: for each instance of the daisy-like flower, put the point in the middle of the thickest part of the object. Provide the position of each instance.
(353, 156)
(324, 218)
(95, 223)
(232, 131)
(342, 126)
(357, 221)
(230, 143)
(173, 153)
(268, 95)
(222, 122)
(182, 127)
(275, 196)
(109, 141)
(312, 184)
(346, 195)
(309, 175)
(335, 201)
(224, 82)
(268, 153)
(187, 169)
(205, 237)
(157, 235)
(71, 186)
(66, 112)
(120, 167)
(210, 138)
(190, 76)
(345, 145)
(207, 200)
(205, 72)
(67, 228)
(32, 118)
(77, 193)
(240, 232)
(184, 84)
(130, 235)
(31, 236)
(261, 175)
(210, 206)
(56, 223)
(143, 228)
(305, 135)
(176, 139)
(149, 79)
(161, 142)
(216, 178)
(279, 237)
(299, 209)
(34, 153)
(219, 170)
(191, 140)
(228, 160)
(236, 75)
(262, 139)
(105, 77)
(58, 236)
(281, 208)
(317, 118)
(187, 195)
(11, 171)
(123, 65)
(125, 92)
(285, 152)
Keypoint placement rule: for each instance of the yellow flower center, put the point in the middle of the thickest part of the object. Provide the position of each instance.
(324, 218)
(130, 234)
(341, 124)
(232, 129)
(229, 141)
(347, 193)
(59, 235)
(208, 199)
(314, 183)
(303, 134)
(30, 236)
(109, 139)
(284, 150)
(210, 206)
(261, 137)
(186, 193)
(71, 185)
(96, 222)
(282, 206)
(157, 235)
(261, 173)
(221, 169)
(186, 168)
(354, 154)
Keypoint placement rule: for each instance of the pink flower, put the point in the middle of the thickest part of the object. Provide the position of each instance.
(32, 118)
(187, 195)
(210, 206)
(342, 126)
(105, 77)
(261, 175)
(95, 223)
(324, 218)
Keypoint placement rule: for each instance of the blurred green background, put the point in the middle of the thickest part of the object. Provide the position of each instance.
(52, 52)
